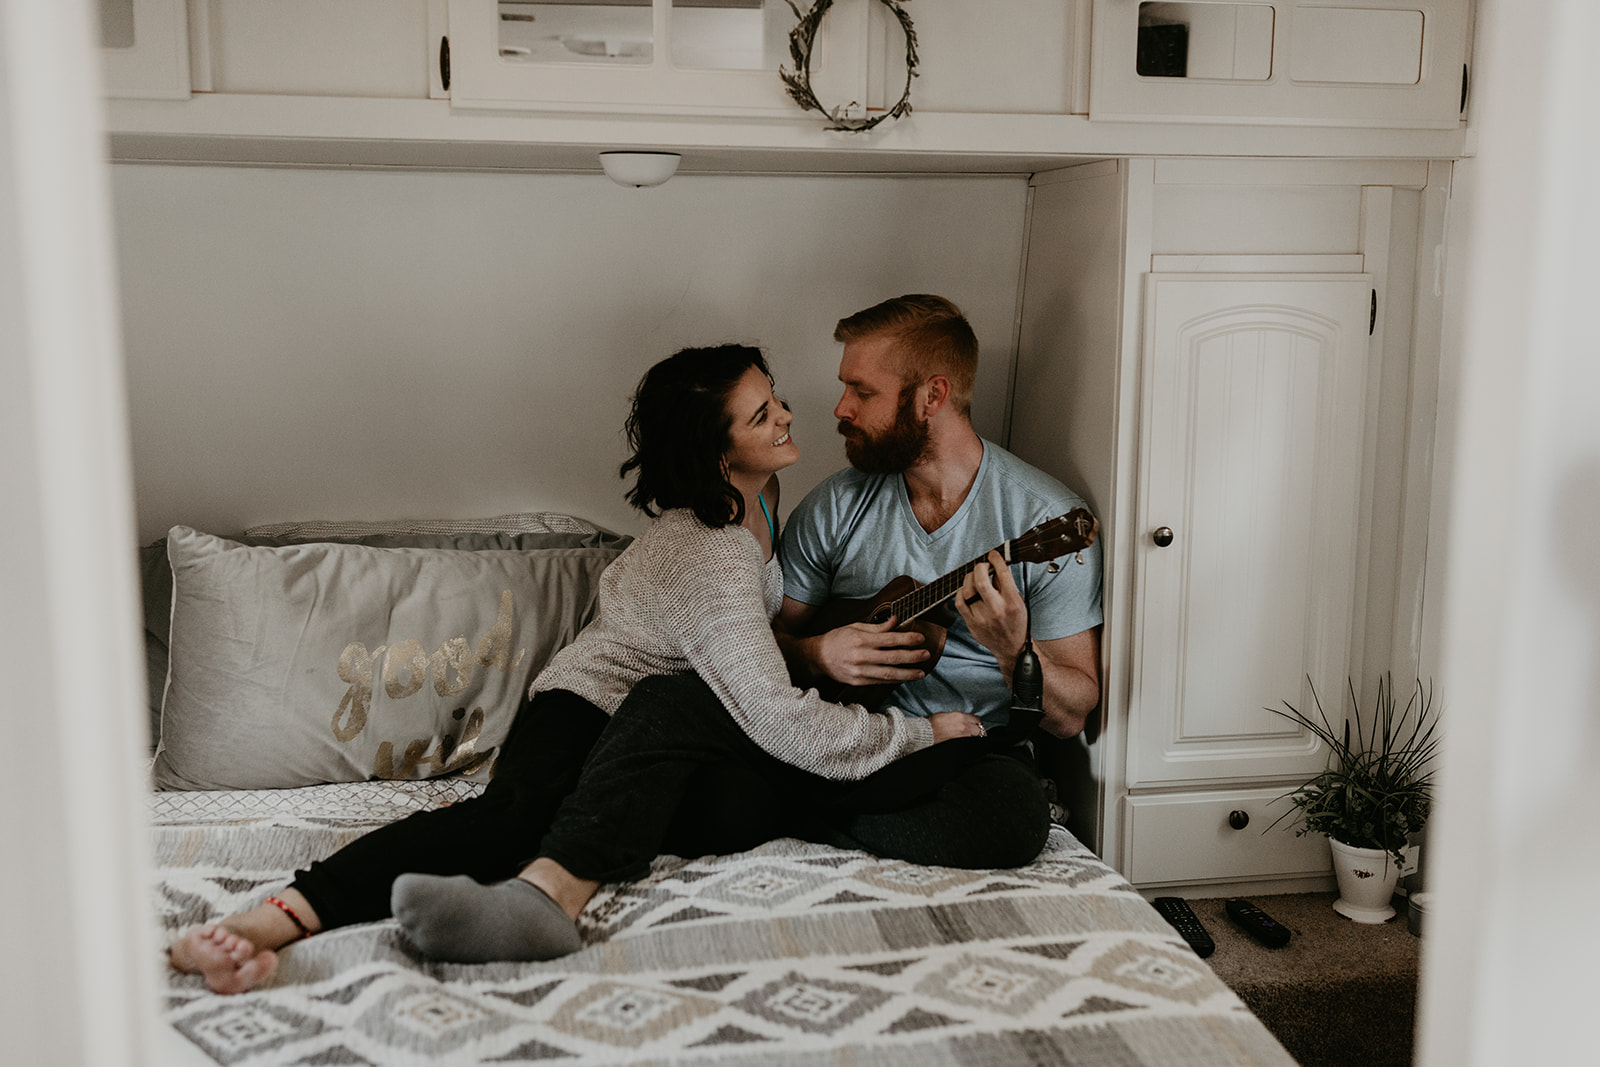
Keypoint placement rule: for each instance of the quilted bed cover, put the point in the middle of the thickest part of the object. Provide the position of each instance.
(791, 954)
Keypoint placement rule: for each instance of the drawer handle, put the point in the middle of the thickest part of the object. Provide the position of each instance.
(1162, 536)
(1238, 819)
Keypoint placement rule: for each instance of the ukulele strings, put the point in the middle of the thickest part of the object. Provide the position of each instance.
(925, 598)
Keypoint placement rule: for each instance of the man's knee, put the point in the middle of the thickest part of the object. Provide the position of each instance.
(1012, 792)
(672, 691)
(682, 704)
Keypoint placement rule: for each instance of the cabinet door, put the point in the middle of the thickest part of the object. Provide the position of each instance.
(1384, 63)
(1249, 498)
(144, 47)
(649, 56)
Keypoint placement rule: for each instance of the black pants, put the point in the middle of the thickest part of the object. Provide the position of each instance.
(494, 835)
(965, 803)
(673, 773)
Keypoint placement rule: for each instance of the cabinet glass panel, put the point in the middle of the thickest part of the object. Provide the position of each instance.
(730, 34)
(1218, 42)
(577, 31)
(116, 23)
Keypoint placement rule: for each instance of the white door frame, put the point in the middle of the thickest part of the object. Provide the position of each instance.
(78, 982)
(1512, 857)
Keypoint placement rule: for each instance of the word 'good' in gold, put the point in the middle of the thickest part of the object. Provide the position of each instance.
(406, 668)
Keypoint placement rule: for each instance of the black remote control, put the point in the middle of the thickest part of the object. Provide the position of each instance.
(1176, 911)
(1257, 923)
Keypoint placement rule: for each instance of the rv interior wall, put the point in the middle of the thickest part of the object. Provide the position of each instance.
(360, 344)
(1505, 981)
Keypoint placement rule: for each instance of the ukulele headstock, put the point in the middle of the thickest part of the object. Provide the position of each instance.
(1053, 538)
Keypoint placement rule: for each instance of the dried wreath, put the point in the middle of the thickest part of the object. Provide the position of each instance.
(802, 39)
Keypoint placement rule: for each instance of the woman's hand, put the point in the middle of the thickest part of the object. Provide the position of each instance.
(948, 724)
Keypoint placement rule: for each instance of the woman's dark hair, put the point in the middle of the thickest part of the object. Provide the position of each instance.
(678, 430)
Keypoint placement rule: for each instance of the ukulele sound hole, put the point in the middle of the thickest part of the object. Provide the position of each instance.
(879, 616)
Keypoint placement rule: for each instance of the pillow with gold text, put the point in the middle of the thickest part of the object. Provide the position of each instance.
(304, 664)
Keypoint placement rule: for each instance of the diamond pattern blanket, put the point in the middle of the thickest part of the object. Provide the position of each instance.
(789, 955)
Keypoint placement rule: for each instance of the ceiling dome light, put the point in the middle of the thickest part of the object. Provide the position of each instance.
(639, 169)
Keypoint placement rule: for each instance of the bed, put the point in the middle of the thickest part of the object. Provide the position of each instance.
(792, 953)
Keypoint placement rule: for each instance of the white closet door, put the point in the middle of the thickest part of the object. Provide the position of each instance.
(1251, 458)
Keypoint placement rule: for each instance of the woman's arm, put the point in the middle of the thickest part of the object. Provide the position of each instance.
(710, 584)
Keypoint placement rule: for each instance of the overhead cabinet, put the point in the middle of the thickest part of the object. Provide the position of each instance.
(647, 56)
(144, 48)
(722, 56)
(1386, 63)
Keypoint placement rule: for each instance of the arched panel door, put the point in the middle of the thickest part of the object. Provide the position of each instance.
(1251, 448)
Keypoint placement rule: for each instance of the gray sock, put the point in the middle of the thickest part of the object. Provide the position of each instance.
(459, 920)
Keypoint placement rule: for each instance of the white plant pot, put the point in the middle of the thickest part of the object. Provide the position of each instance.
(1367, 878)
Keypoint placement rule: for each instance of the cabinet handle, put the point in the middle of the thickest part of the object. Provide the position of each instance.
(1162, 536)
(1238, 819)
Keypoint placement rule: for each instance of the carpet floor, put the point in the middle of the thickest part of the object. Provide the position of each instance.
(1339, 994)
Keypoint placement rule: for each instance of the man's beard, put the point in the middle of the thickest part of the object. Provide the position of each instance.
(893, 451)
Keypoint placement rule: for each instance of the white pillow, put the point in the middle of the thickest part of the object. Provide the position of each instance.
(304, 664)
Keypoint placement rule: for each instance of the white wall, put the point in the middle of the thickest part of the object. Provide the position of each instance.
(78, 972)
(361, 344)
(1514, 856)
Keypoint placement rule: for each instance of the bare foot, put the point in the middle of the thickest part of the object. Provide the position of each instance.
(229, 962)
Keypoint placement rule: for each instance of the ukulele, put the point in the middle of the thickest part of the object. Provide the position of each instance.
(917, 607)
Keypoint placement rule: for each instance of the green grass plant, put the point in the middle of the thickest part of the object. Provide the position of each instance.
(1377, 788)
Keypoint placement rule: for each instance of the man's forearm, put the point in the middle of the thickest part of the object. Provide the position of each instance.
(798, 652)
(1069, 697)
(1071, 692)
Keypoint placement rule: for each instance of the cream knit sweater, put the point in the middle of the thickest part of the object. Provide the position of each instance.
(685, 597)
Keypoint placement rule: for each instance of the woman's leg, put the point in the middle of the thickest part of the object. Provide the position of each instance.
(489, 837)
(672, 762)
(671, 768)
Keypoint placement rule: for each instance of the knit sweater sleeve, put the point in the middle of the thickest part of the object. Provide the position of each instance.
(711, 593)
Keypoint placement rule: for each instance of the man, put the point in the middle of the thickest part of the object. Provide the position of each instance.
(923, 496)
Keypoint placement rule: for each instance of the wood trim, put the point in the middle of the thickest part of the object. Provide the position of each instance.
(1077, 173)
(1353, 263)
(1401, 173)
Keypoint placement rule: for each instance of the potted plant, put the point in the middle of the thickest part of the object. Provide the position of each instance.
(1374, 793)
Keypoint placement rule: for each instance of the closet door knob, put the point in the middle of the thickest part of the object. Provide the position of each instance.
(1238, 819)
(1162, 536)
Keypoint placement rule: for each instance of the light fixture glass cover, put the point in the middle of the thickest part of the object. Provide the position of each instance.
(639, 169)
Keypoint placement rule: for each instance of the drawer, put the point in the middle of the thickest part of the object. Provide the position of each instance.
(1185, 837)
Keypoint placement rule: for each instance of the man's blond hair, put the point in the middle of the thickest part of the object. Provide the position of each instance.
(931, 337)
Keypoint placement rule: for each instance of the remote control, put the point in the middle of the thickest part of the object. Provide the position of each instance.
(1257, 923)
(1176, 911)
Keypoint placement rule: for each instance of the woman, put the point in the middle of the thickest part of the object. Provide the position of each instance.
(695, 593)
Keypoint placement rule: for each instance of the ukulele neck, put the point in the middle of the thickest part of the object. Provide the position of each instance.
(924, 598)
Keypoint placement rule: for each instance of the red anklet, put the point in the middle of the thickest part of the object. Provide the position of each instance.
(292, 916)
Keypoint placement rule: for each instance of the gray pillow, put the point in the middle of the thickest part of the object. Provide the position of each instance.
(302, 664)
(531, 530)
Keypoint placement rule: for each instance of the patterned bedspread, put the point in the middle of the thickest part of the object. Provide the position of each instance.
(791, 954)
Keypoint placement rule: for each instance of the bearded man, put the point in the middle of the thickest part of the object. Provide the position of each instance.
(923, 496)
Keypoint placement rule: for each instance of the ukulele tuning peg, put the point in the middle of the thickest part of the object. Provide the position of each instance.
(1052, 567)
(1079, 558)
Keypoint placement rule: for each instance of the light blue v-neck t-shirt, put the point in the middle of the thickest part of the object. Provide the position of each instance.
(855, 532)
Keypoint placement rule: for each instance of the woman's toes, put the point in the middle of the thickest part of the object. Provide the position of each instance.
(246, 976)
(239, 950)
